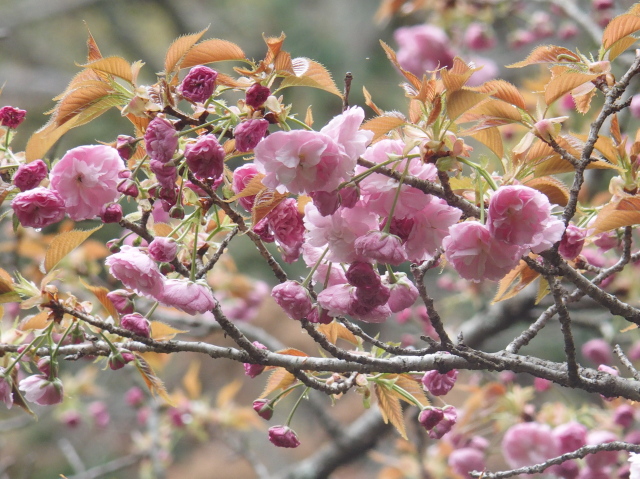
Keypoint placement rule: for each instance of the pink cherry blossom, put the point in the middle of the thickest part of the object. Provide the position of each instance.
(199, 84)
(29, 175)
(256, 95)
(283, 436)
(598, 351)
(478, 36)
(293, 298)
(253, 370)
(241, 178)
(519, 215)
(430, 226)
(476, 255)
(163, 249)
(136, 323)
(11, 117)
(40, 390)
(205, 157)
(465, 460)
(38, 207)
(86, 178)
(326, 272)
(161, 139)
(345, 130)
(572, 242)
(529, 443)
(6, 395)
(403, 293)
(601, 459)
(249, 133)
(287, 226)
(192, 298)
(136, 271)
(302, 161)
(439, 384)
(446, 424)
(423, 48)
(382, 247)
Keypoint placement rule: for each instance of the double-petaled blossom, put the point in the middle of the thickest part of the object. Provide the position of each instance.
(381, 247)
(519, 215)
(439, 384)
(42, 390)
(163, 249)
(367, 305)
(161, 139)
(402, 292)
(137, 324)
(529, 443)
(205, 157)
(256, 95)
(446, 424)
(572, 242)
(86, 178)
(264, 408)
(136, 271)
(286, 224)
(249, 133)
(38, 207)
(11, 117)
(283, 436)
(294, 298)
(241, 178)
(192, 298)
(465, 460)
(345, 130)
(476, 255)
(29, 175)
(601, 459)
(121, 300)
(199, 84)
(423, 48)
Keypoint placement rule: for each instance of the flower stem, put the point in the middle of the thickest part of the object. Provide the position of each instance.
(295, 406)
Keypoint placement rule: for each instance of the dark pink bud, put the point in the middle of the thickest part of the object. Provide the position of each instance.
(29, 175)
(444, 426)
(199, 84)
(624, 415)
(40, 390)
(161, 139)
(283, 436)
(439, 384)
(253, 370)
(542, 384)
(126, 146)
(264, 408)
(349, 196)
(205, 157)
(111, 213)
(369, 298)
(401, 228)
(602, 4)
(572, 241)
(163, 249)
(293, 298)
(429, 417)
(128, 187)
(241, 178)
(121, 300)
(363, 275)
(137, 324)
(598, 351)
(100, 414)
(327, 202)
(381, 247)
(257, 95)
(11, 117)
(249, 133)
(465, 460)
(119, 360)
(71, 418)
(319, 315)
(134, 397)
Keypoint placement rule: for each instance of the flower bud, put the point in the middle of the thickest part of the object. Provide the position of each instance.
(137, 324)
(176, 212)
(293, 298)
(128, 187)
(126, 146)
(29, 175)
(199, 84)
(121, 300)
(11, 117)
(327, 202)
(381, 247)
(283, 436)
(257, 95)
(249, 133)
(439, 384)
(264, 408)
(445, 425)
(120, 359)
(134, 397)
(111, 213)
(598, 351)
(205, 157)
(253, 370)
(163, 249)
(429, 417)
(161, 139)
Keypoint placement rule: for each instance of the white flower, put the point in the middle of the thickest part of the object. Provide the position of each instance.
(634, 472)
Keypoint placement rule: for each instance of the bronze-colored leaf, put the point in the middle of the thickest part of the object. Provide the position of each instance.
(116, 66)
(153, 382)
(163, 332)
(621, 46)
(625, 212)
(335, 330)
(93, 52)
(436, 109)
(557, 165)
(461, 101)
(210, 51)
(563, 83)
(369, 102)
(583, 102)
(63, 244)
(36, 322)
(491, 138)
(614, 128)
(413, 387)
(503, 90)
(280, 378)
(620, 27)
(100, 292)
(552, 188)
(492, 110)
(228, 393)
(391, 55)
(382, 125)
(274, 46)
(283, 64)
(455, 77)
(162, 229)
(252, 188)
(547, 54)
(311, 74)
(179, 48)
(514, 282)
(390, 408)
(191, 380)
(80, 99)
(308, 118)
(293, 352)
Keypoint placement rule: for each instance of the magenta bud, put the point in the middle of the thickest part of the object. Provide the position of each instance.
(430, 417)
(121, 300)
(283, 436)
(126, 146)
(264, 408)
(439, 384)
(29, 175)
(134, 397)
(253, 370)
(11, 117)
(249, 133)
(128, 187)
(137, 324)
(199, 84)
(257, 95)
(111, 213)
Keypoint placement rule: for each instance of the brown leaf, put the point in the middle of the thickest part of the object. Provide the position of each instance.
(100, 292)
(293, 352)
(369, 102)
(311, 74)
(36, 322)
(254, 187)
(191, 380)
(455, 77)
(116, 66)
(80, 99)
(391, 55)
(308, 118)
(563, 83)
(162, 229)
(155, 385)
(274, 46)
(163, 332)
(436, 109)
(503, 90)
(7, 293)
(621, 46)
(93, 52)
(625, 212)
(413, 387)
(614, 128)
(552, 188)
(604, 145)
(280, 378)
(461, 101)
(179, 48)
(283, 64)
(493, 110)
(382, 125)
(210, 51)
(390, 408)
(491, 138)
(266, 200)
(583, 102)
(543, 289)
(63, 244)
(514, 282)
(557, 165)
(334, 331)
(546, 54)
(620, 27)
(228, 392)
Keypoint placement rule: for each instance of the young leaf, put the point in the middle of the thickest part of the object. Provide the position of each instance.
(461, 101)
(179, 48)
(100, 292)
(93, 52)
(334, 331)
(391, 55)
(620, 27)
(455, 77)
(503, 90)
(552, 188)
(563, 83)
(491, 138)
(191, 380)
(293, 352)
(390, 408)
(116, 66)
(163, 332)
(625, 212)
(228, 392)
(312, 74)
(621, 46)
(80, 99)
(382, 125)
(266, 200)
(7, 293)
(280, 378)
(514, 282)
(210, 51)
(35, 322)
(547, 54)
(543, 290)
(583, 102)
(155, 385)
(413, 387)
(369, 102)
(557, 165)
(63, 244)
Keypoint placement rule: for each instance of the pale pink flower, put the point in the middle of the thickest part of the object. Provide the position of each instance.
(465, 460)
(192, 298)
(137, 324)
(29, 175)
(205, 157)
(634, 461)
(241, 178)
(38, 207)
(326, 272)
(339, 230)
(479, 36)
(293, 298)
(161, 139)
(598, 351)
(337, 300)
(6, 395)
(287, 226)
(198, 85)
(86, 178)
(572, 241)
(344, 129)
(430, 226)
(283, 436)
(423, 48)
(136, 271)
(403, 293)
(634, 107)
(249, 133)
(519, 215)
(302, 161)
(529, 443)
(99, 413)
(163, 249)
(476, 255)
(439, 384)
(381, 247)
(40, 390)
